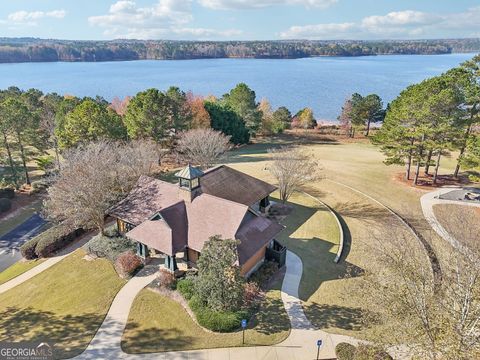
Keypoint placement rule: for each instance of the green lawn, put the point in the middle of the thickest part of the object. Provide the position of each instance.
(18, 268)
(328, 289)
(157, 323)
(64, 305)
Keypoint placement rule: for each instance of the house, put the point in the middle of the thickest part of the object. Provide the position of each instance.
(177, 219)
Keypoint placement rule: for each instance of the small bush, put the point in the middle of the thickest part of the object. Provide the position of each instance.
(127, 264)
(345, 351)
(220, 321)
(186, 288)
(7, 193)
(5, 204)
(54, 239)
(109, 247)
(166, 279)
(251, 294)
(369, 352)
(28, 248)
(264, 273)
(38, 186)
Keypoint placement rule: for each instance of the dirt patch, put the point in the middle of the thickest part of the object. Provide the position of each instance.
(425, 182)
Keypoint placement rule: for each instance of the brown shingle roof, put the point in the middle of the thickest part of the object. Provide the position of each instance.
(254, 233)
(148, 197)
(233, 185)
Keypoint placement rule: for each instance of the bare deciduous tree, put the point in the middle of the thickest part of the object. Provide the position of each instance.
(202, 147)
(292, 168)
(95, 176)
(429, 323)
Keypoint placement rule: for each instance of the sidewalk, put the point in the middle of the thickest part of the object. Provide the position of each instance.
(300, 345)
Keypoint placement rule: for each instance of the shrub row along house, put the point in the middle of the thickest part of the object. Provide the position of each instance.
(176, 220)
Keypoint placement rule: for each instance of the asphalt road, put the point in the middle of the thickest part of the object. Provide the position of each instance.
(10, 243)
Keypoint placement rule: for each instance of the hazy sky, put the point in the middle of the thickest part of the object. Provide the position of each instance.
(240, 19)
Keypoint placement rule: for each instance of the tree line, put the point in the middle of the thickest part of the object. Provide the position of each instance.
(430, 119)
(37, 126)
(34, 50)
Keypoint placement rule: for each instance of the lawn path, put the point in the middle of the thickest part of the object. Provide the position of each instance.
(301, 343)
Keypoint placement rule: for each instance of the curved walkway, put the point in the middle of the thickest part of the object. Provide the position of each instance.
(432, 198)
(300, 344)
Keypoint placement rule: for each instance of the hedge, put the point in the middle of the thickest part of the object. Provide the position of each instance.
(220, 321)
(345, 351)
(5, 204)
(28, 248)
(54, 239)
(186, 288)
(7, 193)
(109, 247)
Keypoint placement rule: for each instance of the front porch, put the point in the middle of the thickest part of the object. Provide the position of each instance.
(179, 263)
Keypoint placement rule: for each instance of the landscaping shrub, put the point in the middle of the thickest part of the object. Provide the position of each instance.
(7, 193)
(127, 264)
(369, 352)
(38, 186)
(264, 273)
(54, 239)
(345, 351)
(166, 279)
(28, 248)
(186, 287)
(251, 294)
(5, 204)
(109, 247)
(220, 321)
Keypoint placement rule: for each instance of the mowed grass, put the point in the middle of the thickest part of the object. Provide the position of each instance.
(64, 305)
(328, 289)
(462, 222)
(157, 323)
(18, 268)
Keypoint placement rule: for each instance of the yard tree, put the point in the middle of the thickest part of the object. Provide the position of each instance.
(93, 177)
(90, 121)
(6, 138)
(241, 99)
(305, 119)
(200, 119)
(471, 157)
(428, 321)
(202, 147)
(147, 116)
(267, 116)
(120, 105)
(281, 119)
(23, 127)
(466, 78)
(179, 112)
(224, 119)
(373, 108)
(219, 284)
(48, 121)
(292, 169)
(346, 116)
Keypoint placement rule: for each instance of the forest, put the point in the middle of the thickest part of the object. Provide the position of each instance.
(14, 50)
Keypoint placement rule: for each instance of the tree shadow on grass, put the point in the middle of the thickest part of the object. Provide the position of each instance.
(68, 334)
(154, 340)
(324, 316)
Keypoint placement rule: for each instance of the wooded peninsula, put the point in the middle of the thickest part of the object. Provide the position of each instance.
(13, 50)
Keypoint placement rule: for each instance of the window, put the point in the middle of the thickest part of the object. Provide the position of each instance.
(195, 183)
(185, 183)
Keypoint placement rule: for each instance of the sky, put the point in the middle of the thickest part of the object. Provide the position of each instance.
(240, 19)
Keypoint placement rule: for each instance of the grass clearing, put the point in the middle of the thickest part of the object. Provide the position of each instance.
(18, 268)
(63, 305)
(157, 324)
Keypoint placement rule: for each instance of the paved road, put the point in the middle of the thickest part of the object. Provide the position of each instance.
(10, 243)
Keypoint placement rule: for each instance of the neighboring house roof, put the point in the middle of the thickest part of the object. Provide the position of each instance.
(233, 185)
(165, 222)
(189, 172)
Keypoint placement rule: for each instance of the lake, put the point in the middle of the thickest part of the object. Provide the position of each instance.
(321, 83)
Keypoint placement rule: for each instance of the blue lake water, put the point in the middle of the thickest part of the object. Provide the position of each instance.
(320, 83)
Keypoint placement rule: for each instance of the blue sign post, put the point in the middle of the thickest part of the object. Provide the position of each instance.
(244, 325)
(319, 345)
